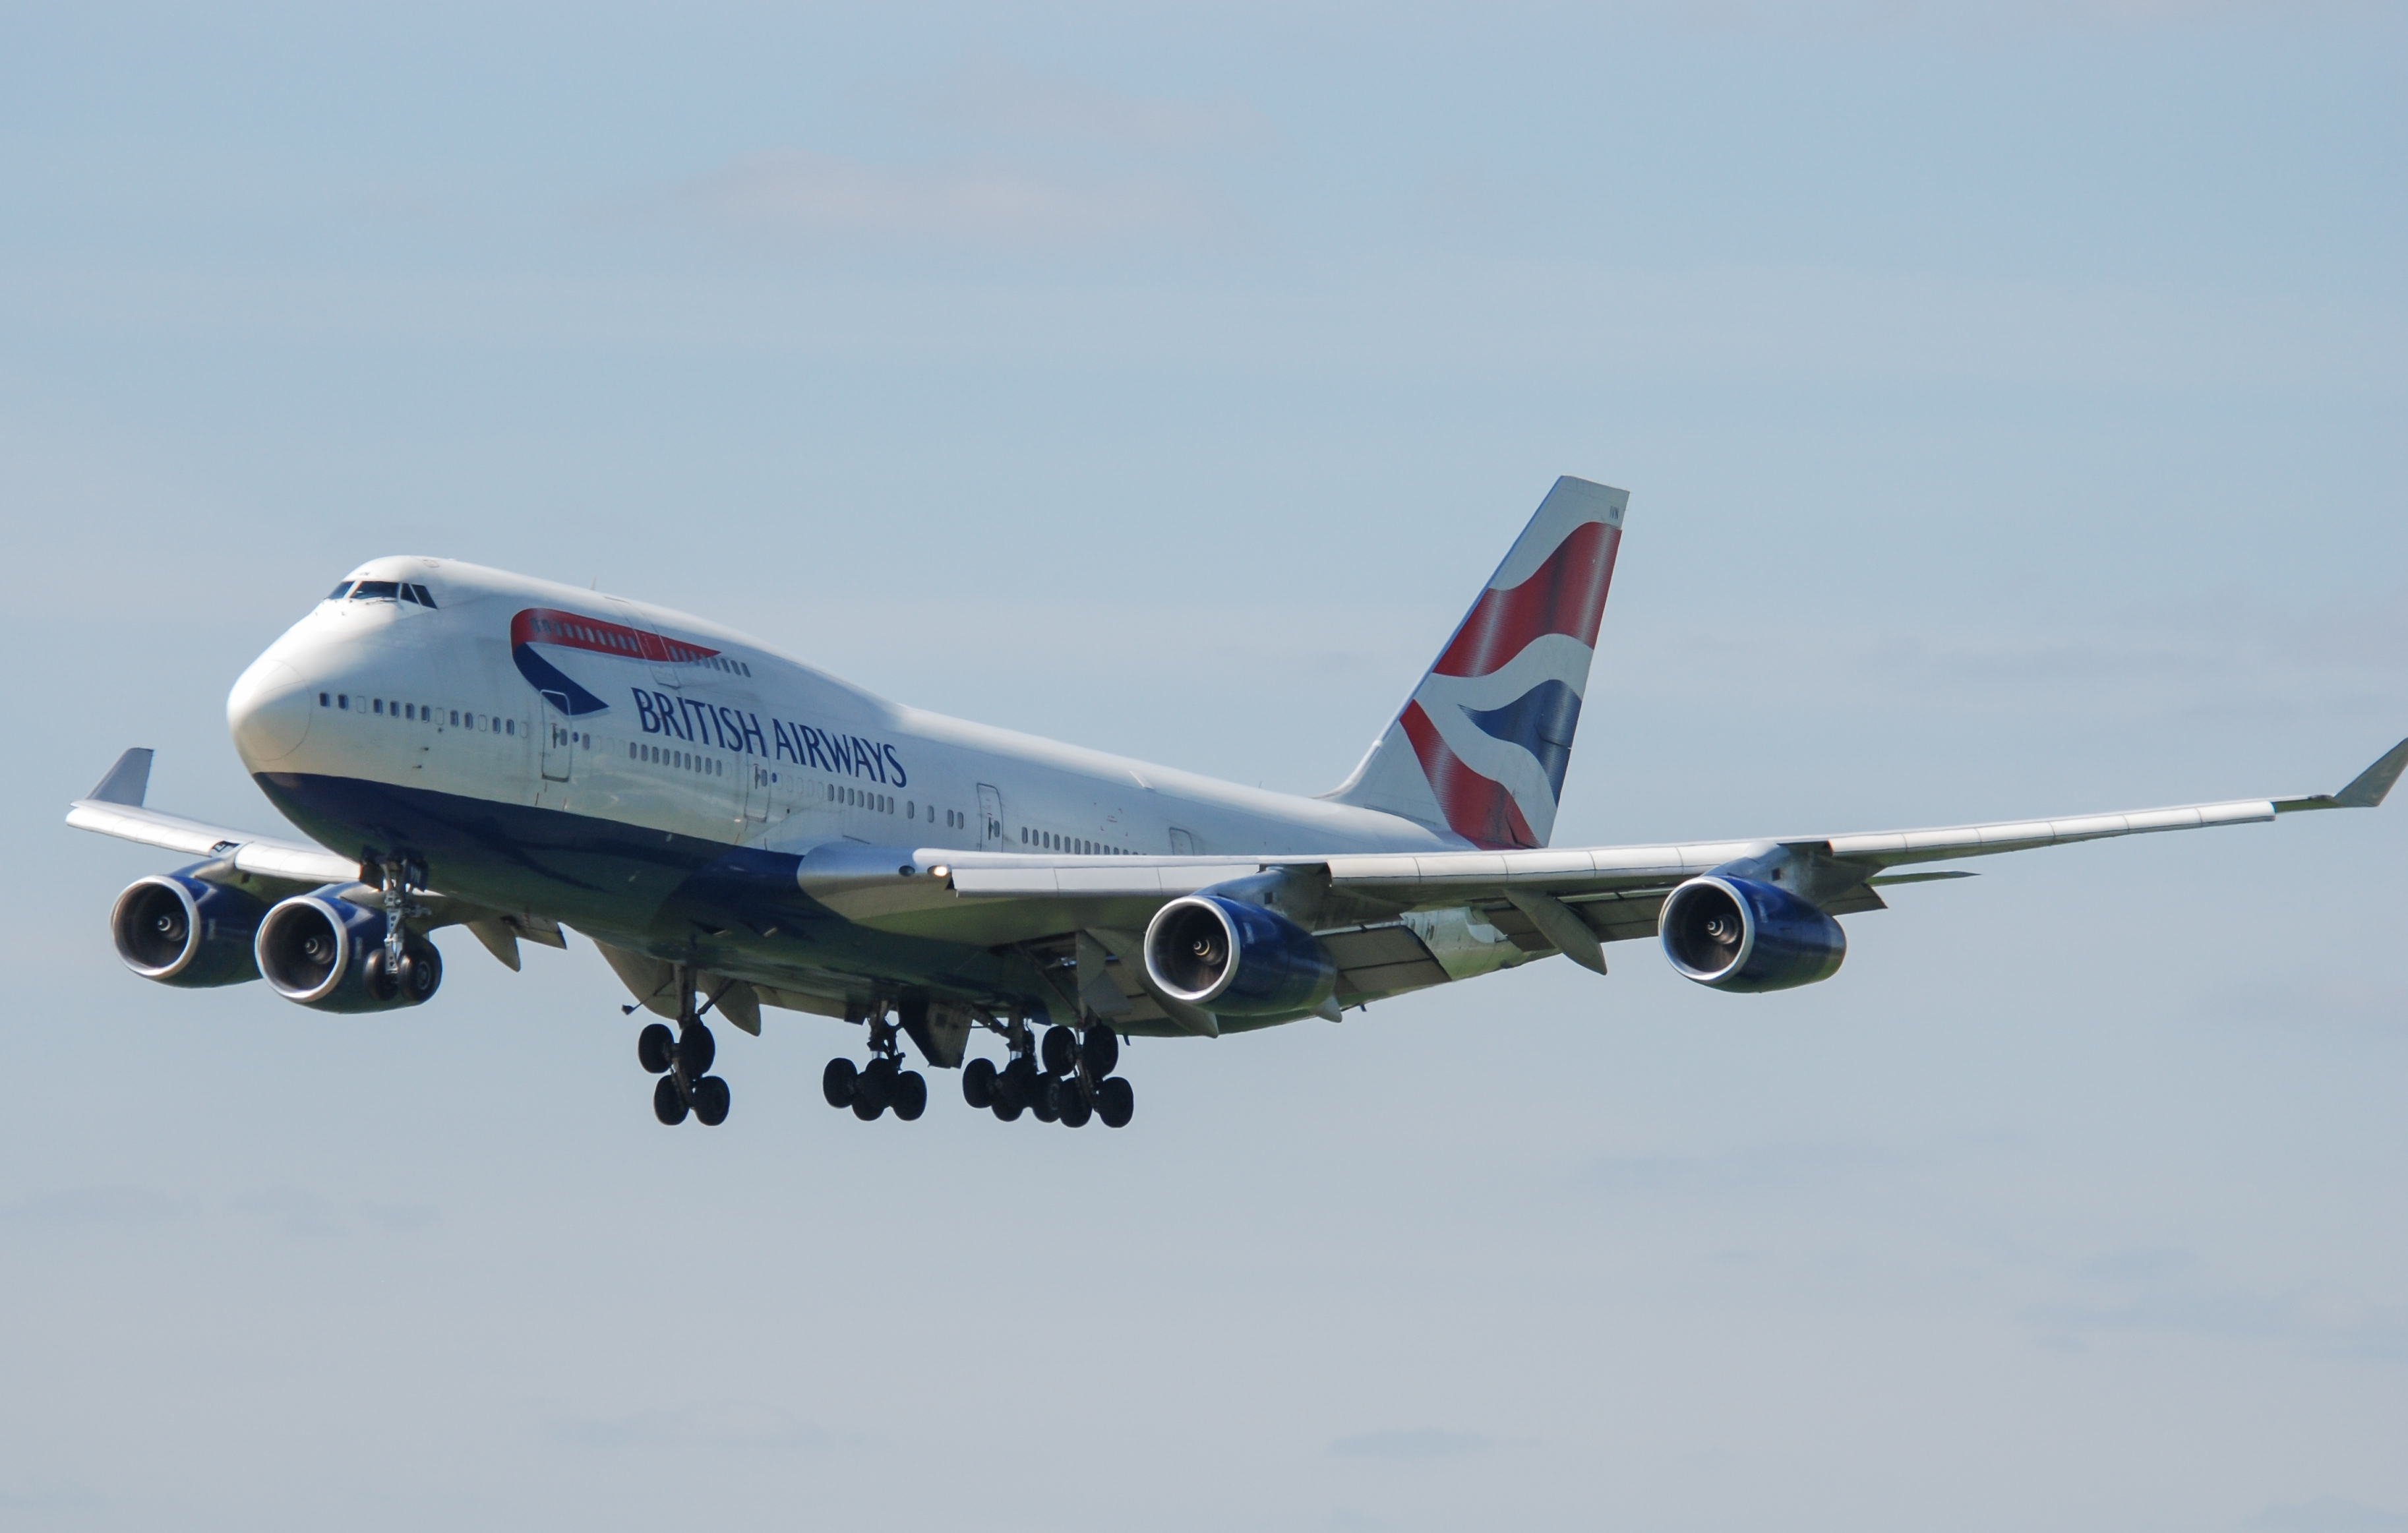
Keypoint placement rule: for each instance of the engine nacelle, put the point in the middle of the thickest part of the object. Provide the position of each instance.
(320, 950)
(1227, 956)
(178, 930)
(1738, 934)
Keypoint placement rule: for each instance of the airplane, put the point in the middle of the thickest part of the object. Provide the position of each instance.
(737, 830)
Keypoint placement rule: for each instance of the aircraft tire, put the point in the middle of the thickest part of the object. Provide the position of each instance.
(655, 1046)
(422, 975)
(910, 1095)
(1115, 1102)
(1060, 1049)
(978, 1083)
(695, 1050)
(873, 1089)
(668, 1103)
(837, 1083)
(1006, 1111)
(710, 1101)
(1041, 1102)
(1075, 1109)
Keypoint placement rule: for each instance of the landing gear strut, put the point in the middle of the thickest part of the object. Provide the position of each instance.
(870, 1089)
(683, 1061)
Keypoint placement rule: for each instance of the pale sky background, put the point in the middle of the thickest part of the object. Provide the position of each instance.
(2010, 400)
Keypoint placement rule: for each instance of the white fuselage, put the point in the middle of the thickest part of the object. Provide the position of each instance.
(713, 738)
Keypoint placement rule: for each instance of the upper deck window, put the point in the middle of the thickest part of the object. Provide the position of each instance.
(376, 590)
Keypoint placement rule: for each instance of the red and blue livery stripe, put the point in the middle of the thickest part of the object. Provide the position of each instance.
(555, 628)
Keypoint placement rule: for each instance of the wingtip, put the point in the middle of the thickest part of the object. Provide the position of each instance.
(127, 783)
(2370, 787)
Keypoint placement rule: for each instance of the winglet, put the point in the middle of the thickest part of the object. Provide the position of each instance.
(2365, 791)
(130, 779)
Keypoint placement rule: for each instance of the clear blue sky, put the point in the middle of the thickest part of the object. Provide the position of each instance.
(2010, 400)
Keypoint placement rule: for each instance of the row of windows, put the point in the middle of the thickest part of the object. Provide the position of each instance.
(683, 760)
(1071, 844)
(419, 712)
(382, 591)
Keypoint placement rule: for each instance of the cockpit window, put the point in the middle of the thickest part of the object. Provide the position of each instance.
(423, 599)
(374, 590)
(337, 594)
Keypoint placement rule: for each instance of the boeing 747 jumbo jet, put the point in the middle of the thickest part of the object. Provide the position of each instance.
(737, 830)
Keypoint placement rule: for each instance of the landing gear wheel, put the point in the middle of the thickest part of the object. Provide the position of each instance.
(710, 1101)
(1060, 1051)
(1115, 1102)
(695, 1050)
(380, 976)
(874, 1090)
(910, 1095)
(837, 1083)
(978, 1083)
(1074, 1107)
(1043, 1104)
(421, 972)
(668, 1103)
(655, 1046)
(1016, 1086)
(1007, 1111)
(1099, 1050)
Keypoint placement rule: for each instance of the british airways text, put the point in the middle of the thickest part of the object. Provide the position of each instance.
(733, 729)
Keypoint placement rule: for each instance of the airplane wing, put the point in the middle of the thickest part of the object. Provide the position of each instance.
(114, 808)
(1568, 899)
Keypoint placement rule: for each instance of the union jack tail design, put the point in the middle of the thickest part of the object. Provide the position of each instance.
(1481, 747)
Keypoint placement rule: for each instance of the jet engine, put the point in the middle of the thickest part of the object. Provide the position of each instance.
(180, 931)
(325, 953)
(1738, 934)
(1239, 959)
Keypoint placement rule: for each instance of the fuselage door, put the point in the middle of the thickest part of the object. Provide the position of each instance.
(990, 819)
(559, 742)
(756, 788)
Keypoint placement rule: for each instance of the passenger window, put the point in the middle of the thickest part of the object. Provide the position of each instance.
(455, 716)
(380, 705)
(509, 726)
(343, 699)
(324, 700)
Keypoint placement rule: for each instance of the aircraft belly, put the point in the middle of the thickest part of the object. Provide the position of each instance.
(734, 910)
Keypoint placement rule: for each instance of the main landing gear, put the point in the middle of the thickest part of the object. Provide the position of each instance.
(683, 1061)
(1073, 1083)
(881, 1083)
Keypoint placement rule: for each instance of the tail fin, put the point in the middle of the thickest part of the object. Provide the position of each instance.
(1481, 747)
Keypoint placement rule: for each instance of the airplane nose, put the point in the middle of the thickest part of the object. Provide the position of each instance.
(268, 713)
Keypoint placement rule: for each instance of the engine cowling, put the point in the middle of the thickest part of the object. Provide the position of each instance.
(1740, 935)
(179, 930)
(320, 950)
(1227, 956)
